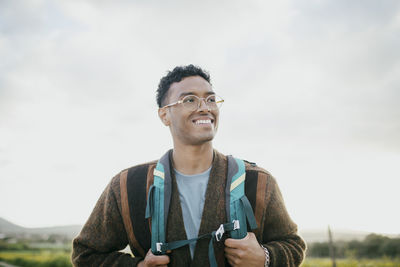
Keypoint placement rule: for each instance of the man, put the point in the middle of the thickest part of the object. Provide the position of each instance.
(189, 107)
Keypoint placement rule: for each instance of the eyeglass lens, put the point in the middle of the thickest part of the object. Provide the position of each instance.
(192, 102)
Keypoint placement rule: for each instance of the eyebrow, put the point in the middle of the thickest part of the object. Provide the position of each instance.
(192, 93)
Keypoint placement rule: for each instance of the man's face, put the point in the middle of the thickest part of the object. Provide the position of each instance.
(190, 127)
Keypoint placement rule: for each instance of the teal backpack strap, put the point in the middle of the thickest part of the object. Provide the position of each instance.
(158, 201)
(238, 207)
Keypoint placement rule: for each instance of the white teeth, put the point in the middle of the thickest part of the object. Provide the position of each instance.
(203, 121)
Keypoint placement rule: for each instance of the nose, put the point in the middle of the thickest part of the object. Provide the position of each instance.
(202, 105)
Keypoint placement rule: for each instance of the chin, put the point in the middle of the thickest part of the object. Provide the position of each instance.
(202, 140)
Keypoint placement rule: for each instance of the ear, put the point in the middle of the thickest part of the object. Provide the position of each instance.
(164, 116)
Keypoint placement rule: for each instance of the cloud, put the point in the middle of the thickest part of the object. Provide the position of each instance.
(313, 83)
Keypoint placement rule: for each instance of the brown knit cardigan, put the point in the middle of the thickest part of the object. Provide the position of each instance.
(118, 220)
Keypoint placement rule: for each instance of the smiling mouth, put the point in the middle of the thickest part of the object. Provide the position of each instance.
(208, 121)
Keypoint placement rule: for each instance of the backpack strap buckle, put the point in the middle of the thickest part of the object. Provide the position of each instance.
(236, 224)
(158, 247)
(220, 232)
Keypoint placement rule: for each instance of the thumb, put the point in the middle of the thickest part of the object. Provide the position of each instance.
(235, 243)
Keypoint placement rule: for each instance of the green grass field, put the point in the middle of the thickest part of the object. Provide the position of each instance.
(37, 258)
(325, 262)
(51, 258)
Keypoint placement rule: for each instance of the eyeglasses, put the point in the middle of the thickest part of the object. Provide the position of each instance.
(192, 102)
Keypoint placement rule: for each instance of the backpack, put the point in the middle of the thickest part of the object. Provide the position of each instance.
(238, 208)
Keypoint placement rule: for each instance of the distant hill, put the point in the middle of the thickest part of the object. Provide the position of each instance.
(320, 235)
(7, 227)
(70, 231)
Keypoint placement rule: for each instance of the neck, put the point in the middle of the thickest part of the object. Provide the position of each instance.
(193, 159)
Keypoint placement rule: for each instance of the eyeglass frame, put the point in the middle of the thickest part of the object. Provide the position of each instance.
(200, 98)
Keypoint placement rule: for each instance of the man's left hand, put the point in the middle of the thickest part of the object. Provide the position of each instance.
(244, 252)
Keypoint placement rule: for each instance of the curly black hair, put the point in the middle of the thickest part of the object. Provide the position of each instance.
(176, 75)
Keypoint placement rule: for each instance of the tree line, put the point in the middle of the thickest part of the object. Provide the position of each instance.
(373, 246)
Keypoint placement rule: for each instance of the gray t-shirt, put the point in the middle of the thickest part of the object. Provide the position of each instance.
(192, 193)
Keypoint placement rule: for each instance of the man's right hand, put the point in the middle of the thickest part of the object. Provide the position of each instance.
(152, 260)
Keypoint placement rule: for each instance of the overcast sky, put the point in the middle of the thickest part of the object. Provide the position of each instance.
(311, 89)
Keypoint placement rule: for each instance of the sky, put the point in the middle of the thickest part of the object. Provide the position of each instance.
(311, 93)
